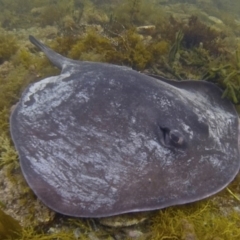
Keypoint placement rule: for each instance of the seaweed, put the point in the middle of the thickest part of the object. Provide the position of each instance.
(132, 51)
(10, 93)
(8, 46)
(135, 13)
(8, 155)
(196, 33)
(176, 48)
(9, 227)
(194, 48)
(23, 57)
(17, 14)
(128, 13)
(202, 220)
(70, 229)
(92, 47)
(227, 75)
(231, 81)
(63, 44)
(52, 14)
(125, 49)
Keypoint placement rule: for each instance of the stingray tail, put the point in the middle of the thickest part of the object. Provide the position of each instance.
(58, 60)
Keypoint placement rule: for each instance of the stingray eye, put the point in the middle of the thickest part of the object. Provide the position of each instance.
(176, 138)
(172, 138)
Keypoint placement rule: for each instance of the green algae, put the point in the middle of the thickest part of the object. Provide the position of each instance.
(132, 13)
(9, 227)
(201, 53)
(71, 229)
(126, 49)
(53, 13)
(8, 46)
(227, 75)
(203, 220)
(11, 87)
(8, 155)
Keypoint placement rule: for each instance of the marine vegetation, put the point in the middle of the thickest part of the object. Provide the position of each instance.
(188, 47)
(126, 49)
(227, 75)
(9, 227)
(8, 46)
(204, 220)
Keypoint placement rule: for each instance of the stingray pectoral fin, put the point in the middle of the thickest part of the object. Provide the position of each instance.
(58, 60)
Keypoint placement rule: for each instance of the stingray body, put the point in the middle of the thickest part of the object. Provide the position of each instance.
(100, 140)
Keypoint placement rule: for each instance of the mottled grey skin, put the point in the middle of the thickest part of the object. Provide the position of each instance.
(100, 140)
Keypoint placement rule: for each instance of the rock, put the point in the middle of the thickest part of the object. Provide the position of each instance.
(132, 233)
(188, 230)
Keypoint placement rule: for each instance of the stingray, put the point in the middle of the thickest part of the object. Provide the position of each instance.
(100, 139)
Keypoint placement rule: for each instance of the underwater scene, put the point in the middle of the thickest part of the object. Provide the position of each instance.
(168, 39)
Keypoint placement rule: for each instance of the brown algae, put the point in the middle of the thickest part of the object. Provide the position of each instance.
(217, 218)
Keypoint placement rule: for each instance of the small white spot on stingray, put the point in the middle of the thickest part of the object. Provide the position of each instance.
(133, 120)
(187, 129)
(83, 96)
(165, 103)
